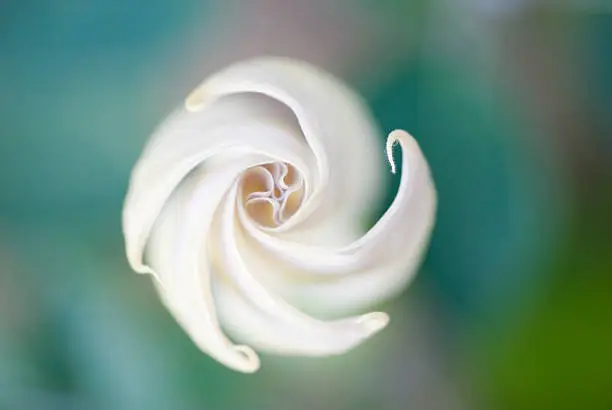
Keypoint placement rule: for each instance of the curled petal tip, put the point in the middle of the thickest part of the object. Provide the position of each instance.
(249, 362)
(400, 136)
(194, 101)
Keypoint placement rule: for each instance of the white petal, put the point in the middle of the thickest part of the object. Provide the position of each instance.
(272, 336)
(186, 140)
(375, 267)
(333, 119)
(271, 323)
(178, 254)
(402, 228)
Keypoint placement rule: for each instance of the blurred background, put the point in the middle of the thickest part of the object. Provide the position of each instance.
(511, 101)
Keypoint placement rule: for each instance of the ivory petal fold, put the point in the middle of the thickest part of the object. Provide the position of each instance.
(247, 203)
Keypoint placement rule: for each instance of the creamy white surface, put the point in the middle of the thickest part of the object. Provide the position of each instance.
(247, 207)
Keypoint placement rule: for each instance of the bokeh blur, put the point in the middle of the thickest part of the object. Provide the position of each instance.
(511, 101)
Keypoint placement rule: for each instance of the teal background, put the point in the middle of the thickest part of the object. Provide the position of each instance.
(511, 103)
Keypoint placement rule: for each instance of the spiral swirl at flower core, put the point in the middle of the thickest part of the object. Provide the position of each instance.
(271, 193)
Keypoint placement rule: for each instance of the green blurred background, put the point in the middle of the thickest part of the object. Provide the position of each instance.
(511, 101)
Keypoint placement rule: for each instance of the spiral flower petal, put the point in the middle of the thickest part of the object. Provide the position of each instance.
(245, 207)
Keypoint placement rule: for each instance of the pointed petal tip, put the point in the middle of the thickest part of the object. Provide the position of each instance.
(374, 322)
(248, 360)
(194, 101)
(405, 140)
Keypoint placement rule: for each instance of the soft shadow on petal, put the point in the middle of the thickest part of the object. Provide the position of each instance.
(177, 256)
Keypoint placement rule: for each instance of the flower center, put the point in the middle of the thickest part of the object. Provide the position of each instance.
(272, 193)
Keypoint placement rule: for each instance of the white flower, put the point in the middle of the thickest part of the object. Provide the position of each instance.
(247, 207)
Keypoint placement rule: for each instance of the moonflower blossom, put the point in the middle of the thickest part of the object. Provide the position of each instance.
(247, 209)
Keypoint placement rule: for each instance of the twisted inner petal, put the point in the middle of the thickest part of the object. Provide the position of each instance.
(272, 193)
